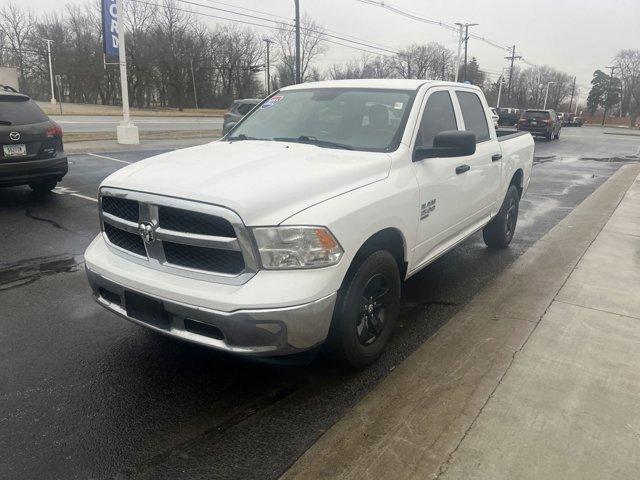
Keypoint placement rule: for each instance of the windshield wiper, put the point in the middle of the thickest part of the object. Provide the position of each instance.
(5, 122)
(242, 136)
(314, 141)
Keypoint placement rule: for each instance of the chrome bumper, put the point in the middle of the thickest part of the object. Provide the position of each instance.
(264, 332)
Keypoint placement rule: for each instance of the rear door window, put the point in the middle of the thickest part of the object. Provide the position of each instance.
(245, 108)
(20, 112)
(438, 117)
(473, 114)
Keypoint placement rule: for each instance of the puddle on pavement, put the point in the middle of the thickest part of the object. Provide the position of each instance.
(28, 271)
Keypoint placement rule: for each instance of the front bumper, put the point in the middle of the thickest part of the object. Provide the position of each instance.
(264, 332)
(22, 172)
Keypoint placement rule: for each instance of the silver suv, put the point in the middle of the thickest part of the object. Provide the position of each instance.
(237, 110)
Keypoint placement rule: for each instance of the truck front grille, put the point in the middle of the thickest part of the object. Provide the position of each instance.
(121, 208)
(201, 258)
(194, 222)
(184, 237)
(125, 240)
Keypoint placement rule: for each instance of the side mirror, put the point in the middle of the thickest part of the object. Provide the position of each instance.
(451, 143)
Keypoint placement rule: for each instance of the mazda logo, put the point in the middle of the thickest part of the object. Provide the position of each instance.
(14, 136)
(147, 232)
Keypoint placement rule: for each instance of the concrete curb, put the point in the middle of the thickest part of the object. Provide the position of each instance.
(414, 420)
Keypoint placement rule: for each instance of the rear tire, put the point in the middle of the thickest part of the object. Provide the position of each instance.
(366, 311)
(557, 135)
(498, 233)
(44, 186)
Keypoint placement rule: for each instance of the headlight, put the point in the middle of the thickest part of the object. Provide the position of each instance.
(297, 247)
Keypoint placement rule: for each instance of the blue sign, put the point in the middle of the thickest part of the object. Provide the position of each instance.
(110, 27)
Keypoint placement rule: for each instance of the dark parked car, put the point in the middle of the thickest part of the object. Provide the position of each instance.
(508, 117)
(31, 151)
(237, 110)
(544, 123)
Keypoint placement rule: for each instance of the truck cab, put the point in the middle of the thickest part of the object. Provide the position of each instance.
(295, 231)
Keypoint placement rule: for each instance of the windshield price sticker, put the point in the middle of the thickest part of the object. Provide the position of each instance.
(272, 101)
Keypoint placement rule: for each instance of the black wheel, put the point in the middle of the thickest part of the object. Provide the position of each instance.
(498, 233)
(557, 135)
(44, 186)
(549, 135)
(366, 310)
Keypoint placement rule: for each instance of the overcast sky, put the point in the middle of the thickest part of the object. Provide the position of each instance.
(576, 36)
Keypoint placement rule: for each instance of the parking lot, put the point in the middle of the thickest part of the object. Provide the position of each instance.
(84, 394)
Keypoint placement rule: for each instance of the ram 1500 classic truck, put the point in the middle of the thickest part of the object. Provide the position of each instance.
(296, 230)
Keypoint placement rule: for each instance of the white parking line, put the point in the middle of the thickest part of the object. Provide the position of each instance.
(73, 193)
(107, 158)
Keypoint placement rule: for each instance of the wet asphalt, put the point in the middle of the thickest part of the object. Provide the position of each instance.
(84, 394)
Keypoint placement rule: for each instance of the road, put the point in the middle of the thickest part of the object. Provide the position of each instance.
(84, 124)
(84, 394)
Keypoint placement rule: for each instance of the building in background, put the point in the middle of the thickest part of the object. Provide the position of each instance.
(9, 76)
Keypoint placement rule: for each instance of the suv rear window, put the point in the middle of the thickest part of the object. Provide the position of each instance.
(536, 114)
(20, 111)
(245, 108)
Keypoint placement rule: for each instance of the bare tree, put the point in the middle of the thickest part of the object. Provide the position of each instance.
(628, 62)
(16, 25)
(312, 45)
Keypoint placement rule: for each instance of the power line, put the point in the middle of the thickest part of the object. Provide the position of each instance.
(262, 12)
(324, 33)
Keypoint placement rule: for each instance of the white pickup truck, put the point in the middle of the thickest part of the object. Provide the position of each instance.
(296, 230)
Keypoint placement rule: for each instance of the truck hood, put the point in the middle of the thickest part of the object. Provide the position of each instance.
(264, 182)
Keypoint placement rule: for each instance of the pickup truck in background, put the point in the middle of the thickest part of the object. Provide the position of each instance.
(295, 231)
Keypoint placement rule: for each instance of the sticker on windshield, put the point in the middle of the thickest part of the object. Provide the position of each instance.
(272, 101)
(398, 106)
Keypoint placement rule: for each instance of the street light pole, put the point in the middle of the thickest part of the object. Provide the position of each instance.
(606, 100)
(546, 95)
(53, 96)
(193, 80)
(501, 82)
(298, 74)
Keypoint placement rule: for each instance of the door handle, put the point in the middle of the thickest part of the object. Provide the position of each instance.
(462, 168)
(496, 156)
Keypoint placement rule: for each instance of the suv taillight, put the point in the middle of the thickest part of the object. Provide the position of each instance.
(547, 121)
(227, 115)
(55, 131)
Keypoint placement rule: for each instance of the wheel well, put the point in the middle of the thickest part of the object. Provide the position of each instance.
(389, 239)
(517, 181)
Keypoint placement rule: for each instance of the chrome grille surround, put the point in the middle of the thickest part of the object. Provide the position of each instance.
(149, 213)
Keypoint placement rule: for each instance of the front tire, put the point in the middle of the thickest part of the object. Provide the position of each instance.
(366, 310)
(44, 186)
(498, 233)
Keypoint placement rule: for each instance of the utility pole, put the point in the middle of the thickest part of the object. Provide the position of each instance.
(444, 64)
(127, 132)
(298, 73)
(267, 83)
(461, 33)
(53, 96)
(573, 90)
(512, 57)
(606, 100)
(193, 80)
(546, 95)
(464, 37)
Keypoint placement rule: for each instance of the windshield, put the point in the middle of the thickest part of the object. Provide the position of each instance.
(350, 118)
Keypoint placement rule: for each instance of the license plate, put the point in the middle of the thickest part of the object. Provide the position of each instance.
(17, 150)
